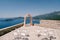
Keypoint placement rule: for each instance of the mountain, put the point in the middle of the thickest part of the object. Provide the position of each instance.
(10, 19)
(50, 16)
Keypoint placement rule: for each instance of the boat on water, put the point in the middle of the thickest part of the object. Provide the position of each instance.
(32, 32)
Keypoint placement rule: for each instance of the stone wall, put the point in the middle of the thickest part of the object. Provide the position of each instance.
(50, 23)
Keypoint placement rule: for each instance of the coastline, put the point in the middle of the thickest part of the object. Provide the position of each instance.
(9, 29)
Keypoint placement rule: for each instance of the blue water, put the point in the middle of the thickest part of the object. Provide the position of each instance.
(4, 24)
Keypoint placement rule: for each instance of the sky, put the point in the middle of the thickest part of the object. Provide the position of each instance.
(18, 8)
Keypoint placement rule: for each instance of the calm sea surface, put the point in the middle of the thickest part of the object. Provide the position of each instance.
(4, 24)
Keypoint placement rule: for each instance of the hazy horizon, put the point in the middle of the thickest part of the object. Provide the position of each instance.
(18, 8)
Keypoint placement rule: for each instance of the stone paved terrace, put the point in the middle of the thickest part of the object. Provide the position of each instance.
(33, 33)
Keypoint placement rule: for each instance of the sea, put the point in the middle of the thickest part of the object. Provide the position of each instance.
(10, 22)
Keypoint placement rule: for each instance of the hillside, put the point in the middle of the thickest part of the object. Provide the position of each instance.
(50, 16)
(10, 19)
